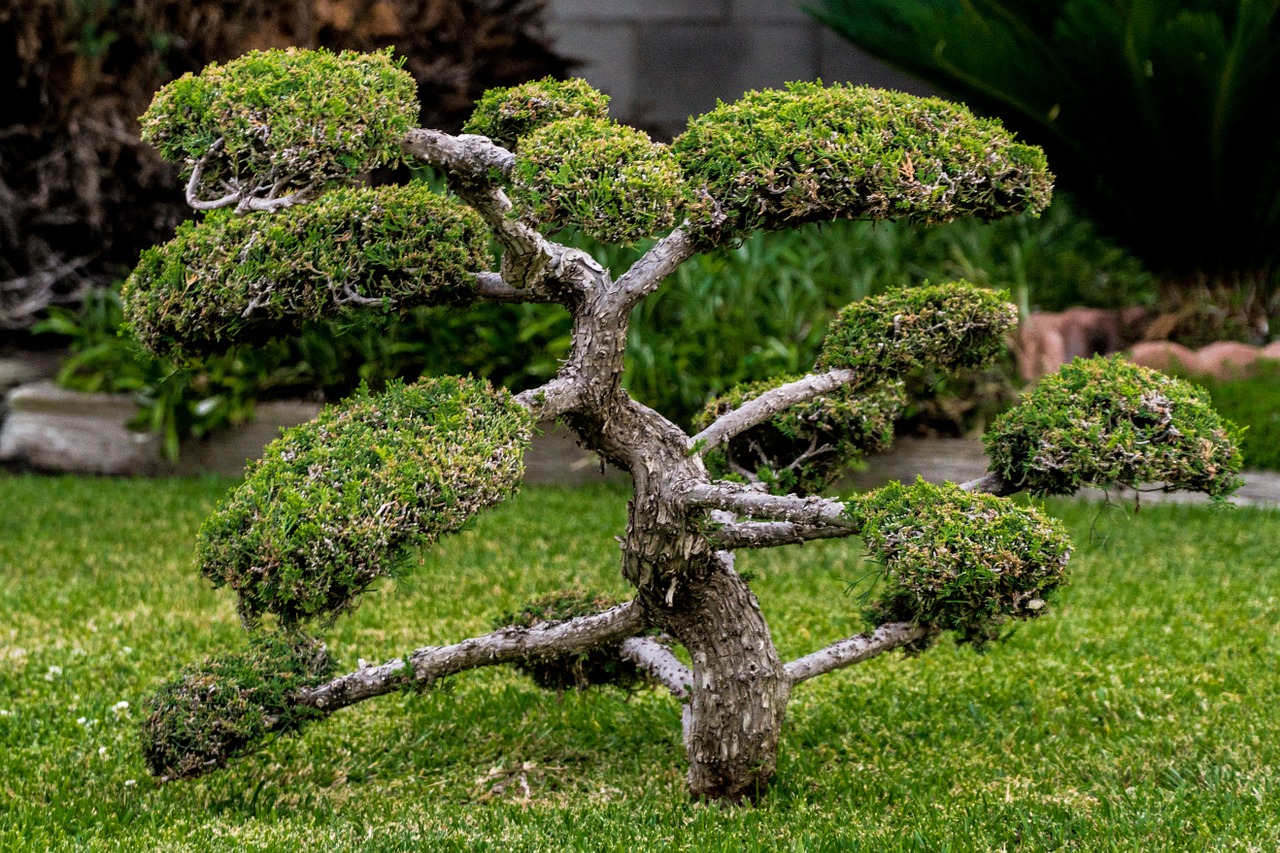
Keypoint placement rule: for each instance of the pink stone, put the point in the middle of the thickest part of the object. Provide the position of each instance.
(1164, 355)
(1227, 359)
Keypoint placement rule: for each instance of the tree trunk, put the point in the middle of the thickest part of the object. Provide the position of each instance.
(740, 687)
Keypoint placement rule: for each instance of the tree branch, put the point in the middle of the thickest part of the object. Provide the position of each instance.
(466, 155)
(990, 483)
(770, 534)
(767, 405)
(811, 511)
(659, 663)
(855, 650)
(493, 287)
(648, 272)
(506, 645)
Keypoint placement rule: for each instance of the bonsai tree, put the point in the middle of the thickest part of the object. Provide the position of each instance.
(274, 145)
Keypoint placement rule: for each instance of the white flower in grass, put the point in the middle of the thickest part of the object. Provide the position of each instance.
(54, 672)
(120, 709)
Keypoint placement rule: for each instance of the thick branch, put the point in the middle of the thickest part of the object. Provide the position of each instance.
(990, 483)
(855, 650)
(659, 663)
(493, 287)
(767, 405)
(746, 502)
(506, 645)
(465, 155)
(646, 274)
(770, 534)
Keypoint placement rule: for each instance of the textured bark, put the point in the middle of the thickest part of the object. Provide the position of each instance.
(855, 650)
(767, 405)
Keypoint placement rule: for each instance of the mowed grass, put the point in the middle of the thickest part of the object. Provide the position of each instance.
(1142, 713)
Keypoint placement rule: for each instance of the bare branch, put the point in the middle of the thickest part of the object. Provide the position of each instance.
(272, 203)
(197, 172)
(749, 503)
(659, 663)
(990, 483)
(855, 650)
(506, 645)
(493, 287)
(465, 155)
(646, 274)
(767, 405)
(770, 534)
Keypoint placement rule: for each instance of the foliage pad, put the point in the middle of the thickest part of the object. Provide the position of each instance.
(224, 708)
(334, 504)
(947, 326)
(1100, 421)
(611, 181)
(805, 448)
(246, 279)
(507, 114)
(778, 159)
(288, 118)
(959, 561)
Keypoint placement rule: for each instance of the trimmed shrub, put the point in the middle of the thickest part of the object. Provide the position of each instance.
(225, 707)
(778, 159)
(247, 279)
(805, 448)
(959, 561)
(609, 180)
(596, 668)
(506, 114)
(334, 504)
(1105, 420)
(944, 326)
(288, 119)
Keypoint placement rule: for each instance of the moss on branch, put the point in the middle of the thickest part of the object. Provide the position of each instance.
(948, 326)
(610, 180)
(225, 707)
(1103, 421)
(245, 279)
(287, 119)
(335, 504)
(781, 158)
(803, 449)
(959, 561)
(507, 114)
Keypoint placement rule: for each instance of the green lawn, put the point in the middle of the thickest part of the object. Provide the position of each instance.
(1142, 713)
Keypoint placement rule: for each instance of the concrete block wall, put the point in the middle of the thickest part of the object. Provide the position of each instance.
(662, 61)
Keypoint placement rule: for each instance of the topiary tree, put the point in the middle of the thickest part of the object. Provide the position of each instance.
(336, 504)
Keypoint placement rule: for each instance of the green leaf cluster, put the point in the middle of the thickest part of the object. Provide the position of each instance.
(506, 114)
(247, 279)
(948, 326)
(781, 158)
(595, 668)
(804, 449)
(609, 180)
(223, 708)
(292, 118)
(334, 504)
(959, 561)
(1101, 421)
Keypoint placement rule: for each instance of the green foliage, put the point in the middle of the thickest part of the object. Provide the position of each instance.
(287, 119)
(778, 159)
(1251, 401)
(248, 279)
(948, 326)
(959, 561)
(333, 504)
(1158, 114)
(608, 180)
(805, 448)
(506, 114)
(595, 668)
(1101, 421)
(227, 706)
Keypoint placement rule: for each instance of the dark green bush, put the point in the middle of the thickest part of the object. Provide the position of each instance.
(778, 159)
(805, 448)
(297, 118)
(596, 668)
(1102, 421)
(225, 707)
(247, 279)
(333, 504)
(945, 326)
(959, 561)
(508, 113)
(607, 180)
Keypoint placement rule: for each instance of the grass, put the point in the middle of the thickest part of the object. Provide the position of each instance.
(1140, 714)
